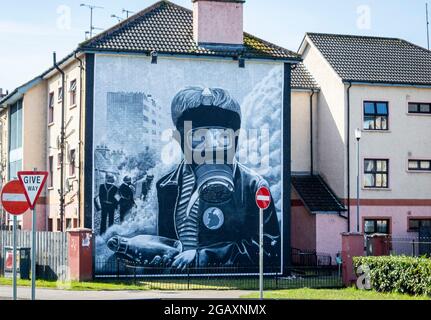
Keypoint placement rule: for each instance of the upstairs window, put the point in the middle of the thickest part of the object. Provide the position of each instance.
(419, 165)
(376, 115)
(72, 162)
(51, 108)
(419, 108)
(60, 94)
(376, 173)
(72, 92)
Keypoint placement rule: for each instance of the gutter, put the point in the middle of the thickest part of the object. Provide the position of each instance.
(62, 142)
(311, 133)
(348, 156)
(387, 84)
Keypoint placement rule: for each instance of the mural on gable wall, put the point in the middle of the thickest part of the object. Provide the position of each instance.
(180, 150)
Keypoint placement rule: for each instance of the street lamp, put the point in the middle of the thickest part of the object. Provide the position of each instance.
(358, 135)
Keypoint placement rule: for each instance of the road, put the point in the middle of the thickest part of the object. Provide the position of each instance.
(24, 293)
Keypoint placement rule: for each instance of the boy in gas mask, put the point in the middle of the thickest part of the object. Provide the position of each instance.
(207, 204)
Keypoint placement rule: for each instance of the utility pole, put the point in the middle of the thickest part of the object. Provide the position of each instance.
(127, 12)
(428, 26)
(116, 17)
(91, 7)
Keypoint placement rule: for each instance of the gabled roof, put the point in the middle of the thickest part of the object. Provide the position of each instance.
(375, 59)
(302, 78)
(168, 28)
(316, 195)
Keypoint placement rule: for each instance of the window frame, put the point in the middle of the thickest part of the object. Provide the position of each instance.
(375, 115)
(72, 171)
(73, 92)
(50, 172)
(60, 93)
(51, 105)
(375, 173)
(420, 219)
(419, 108)
(419, 169)
(376, 220)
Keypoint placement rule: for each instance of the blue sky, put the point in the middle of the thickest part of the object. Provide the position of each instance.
(31, 30)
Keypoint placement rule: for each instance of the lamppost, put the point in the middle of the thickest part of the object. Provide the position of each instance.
(358, 135)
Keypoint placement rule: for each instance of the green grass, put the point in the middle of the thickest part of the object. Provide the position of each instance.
(333, 294)
(177, 284)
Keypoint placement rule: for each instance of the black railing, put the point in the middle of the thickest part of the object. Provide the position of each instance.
(310, 258)
(218, 278)
(414, 246)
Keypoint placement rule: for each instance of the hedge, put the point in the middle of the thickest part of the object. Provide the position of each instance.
(398, 274)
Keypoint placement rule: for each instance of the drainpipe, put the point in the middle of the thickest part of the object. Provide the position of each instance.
(348, 156)
(311, 133)
(80, 138)
(62, 143)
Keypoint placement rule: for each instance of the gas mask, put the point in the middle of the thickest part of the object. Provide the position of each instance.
(213, 150)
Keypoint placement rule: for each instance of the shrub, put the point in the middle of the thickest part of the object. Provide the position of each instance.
(398, 274)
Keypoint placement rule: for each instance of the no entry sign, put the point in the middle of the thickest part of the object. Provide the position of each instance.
(13, 198)
(33, 182)
(263, 198)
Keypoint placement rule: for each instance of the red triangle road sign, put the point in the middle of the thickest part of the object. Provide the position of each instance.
(33, 183)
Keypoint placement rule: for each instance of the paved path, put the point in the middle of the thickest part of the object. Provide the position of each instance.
(53, 294)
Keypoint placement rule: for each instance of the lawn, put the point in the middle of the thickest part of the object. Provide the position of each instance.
(333, 294)
(209, 283)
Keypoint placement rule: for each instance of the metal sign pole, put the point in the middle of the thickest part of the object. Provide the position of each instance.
(33, 252)
(33, 255)
(261, 253)
(14, 258)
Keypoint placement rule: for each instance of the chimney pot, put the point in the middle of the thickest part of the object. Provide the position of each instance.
(218, 22)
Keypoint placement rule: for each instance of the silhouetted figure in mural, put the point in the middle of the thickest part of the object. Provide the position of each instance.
(207, 204)
(108, 202)
(126, 197)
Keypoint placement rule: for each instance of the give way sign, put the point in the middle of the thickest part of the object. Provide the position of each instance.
(33, 182)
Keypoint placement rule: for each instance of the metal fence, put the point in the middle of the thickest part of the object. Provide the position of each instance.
(414, 246)
(310, 258)
(218, 278)
(51, 252)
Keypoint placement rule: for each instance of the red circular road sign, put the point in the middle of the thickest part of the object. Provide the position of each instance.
(13, 198)
(263, 198)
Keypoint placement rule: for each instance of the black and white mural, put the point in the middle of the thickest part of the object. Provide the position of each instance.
(181, 148)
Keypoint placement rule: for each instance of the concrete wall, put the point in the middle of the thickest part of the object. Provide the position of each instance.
(34, 145)
(303, 226)
(218, 22)
(408, 137)
(72, 118)
(301, 160)
(331, 121)
(328, 233)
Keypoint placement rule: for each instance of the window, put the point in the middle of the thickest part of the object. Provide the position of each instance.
(50, 171)
(58, 224)
(376, 173)
(72, 163)
(420, 108)
(415, 224)
(50, 224)
(376, 115)
(372, 226)
(68, 224)
(59, 160)
(419, 165)
(51, 108)
(75, 223)
(60, 94)
(15, 126)
(72, 92)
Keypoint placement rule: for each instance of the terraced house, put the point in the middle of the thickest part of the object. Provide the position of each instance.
(105, 116)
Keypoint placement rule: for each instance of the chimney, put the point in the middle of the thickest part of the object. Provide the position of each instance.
(218, 22)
